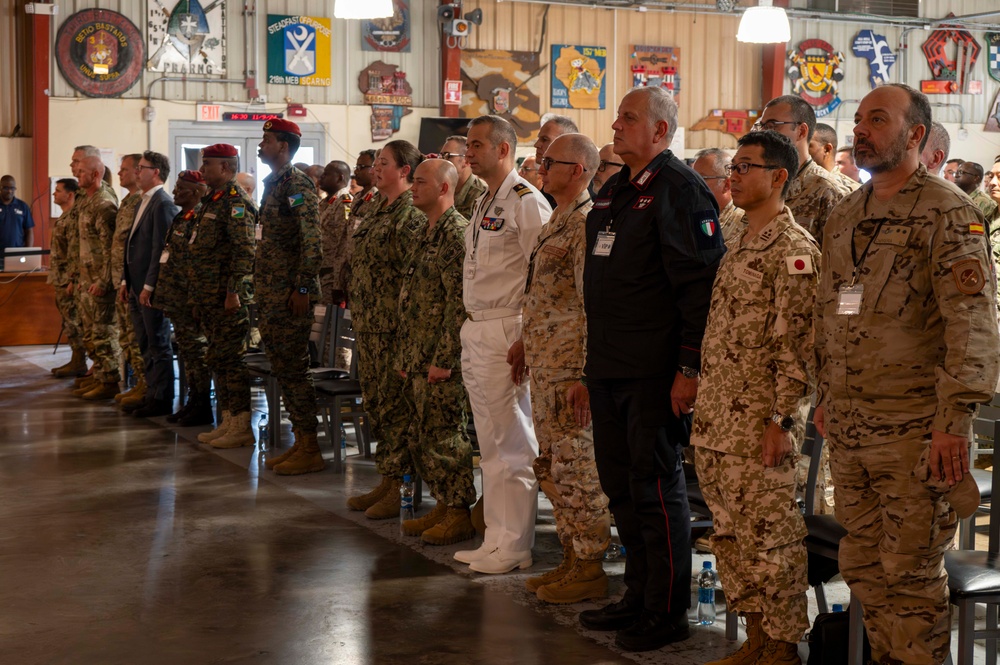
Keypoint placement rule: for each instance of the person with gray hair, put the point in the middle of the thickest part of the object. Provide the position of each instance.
(710, 164)
(934, 153)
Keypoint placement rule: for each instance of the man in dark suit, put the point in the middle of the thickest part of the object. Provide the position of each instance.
(143, 255)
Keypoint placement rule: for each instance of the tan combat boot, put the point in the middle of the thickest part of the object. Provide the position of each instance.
(239, 433)
(102, 391)
(86, 386)
(220, 429)
(752, 649)
(586, 579)
(140, 385)
(76, 366)
(272, 462)
(80, 380)
(388, 506)
(369, 499)
(418, 526)
(554, 575)
(136, 396)
(307, 459)
(454, 528)
(777, 652)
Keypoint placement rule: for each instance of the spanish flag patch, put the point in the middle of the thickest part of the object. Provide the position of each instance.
(976, 229)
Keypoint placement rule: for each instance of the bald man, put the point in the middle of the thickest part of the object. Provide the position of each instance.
(609, 165)
(429, 358)
(247, 182)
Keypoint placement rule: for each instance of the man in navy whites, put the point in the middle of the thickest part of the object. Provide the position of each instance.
(17, 228)
(143, 253)
(653, 247)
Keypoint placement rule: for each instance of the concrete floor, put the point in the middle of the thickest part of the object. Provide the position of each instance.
(124, 540)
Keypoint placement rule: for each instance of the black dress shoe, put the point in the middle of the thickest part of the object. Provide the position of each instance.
(653, 630)
(199, 415)
(615, 616)
(132, 407)
(181, 412)
(154, 408)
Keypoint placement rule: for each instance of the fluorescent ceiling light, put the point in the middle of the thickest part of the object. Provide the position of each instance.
(764, 24)
(363, 9)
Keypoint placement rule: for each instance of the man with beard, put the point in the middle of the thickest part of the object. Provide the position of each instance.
(906, 333)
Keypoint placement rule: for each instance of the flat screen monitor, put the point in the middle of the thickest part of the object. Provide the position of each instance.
(434, 132)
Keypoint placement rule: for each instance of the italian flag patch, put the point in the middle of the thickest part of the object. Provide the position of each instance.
(708, 227)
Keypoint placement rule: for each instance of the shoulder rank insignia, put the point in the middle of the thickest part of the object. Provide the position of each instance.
(521, 189)
(218, 195)
(295, 200)
(233, 192)
(238, 212)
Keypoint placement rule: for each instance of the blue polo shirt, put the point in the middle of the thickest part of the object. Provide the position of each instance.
(15, 220)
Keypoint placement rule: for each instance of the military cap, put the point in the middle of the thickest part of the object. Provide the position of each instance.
(191, 176)
(282, 125)
(221, 150)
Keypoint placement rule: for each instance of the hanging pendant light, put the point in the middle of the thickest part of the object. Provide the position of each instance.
(764, 24)
(362, 9)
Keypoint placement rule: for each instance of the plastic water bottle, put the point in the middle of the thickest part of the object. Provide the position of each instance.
(614, 552)
(405, 501)
(343, 442)
(263, 431)
(837, 607)
(706, 594)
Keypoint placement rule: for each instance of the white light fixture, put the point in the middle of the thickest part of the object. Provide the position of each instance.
(363, 9)
(764, 24)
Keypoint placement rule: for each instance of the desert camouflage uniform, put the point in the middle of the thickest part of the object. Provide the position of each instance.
(732, 222)
(171, 297)
(555, 348)
(467, 194)
(289, 256)
(126, 333)
(335, 230)
(59, 267)
(431, 313)
(811, 197)
(220, 260)
(919, 357)
(96, 223)
(382, 244)
(757, 359)
(850, 184)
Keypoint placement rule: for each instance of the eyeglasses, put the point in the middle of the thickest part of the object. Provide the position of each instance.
(603, 166)
(714, 177)
(967, 173)
(359, 167)
(547, 163)
(744, 167)
(528, 169)
(449, 155)
(772, 124)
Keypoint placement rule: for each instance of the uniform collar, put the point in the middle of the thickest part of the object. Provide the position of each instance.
(563, 213)
(342, 195)
(275, 176)
(503, 191)
(903, 202)
(648, 173)
(404, 199)
(767, 235)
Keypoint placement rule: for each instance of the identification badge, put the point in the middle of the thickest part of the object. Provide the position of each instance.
(470, 268)
(258, 232)
(849, 303)
(194, 234)
(605, 240)
(164, 256)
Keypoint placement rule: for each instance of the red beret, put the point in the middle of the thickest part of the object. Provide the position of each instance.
(282, 125)
(219, 150)
(191, 176)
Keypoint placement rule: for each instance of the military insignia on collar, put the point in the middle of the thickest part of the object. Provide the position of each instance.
(218, 195)
(644, 177)
(600, 204)
(642, 203)
(766, 234)
(491, 223)
(295, 200)
(521, 190)
(233, 192)
(238, 212)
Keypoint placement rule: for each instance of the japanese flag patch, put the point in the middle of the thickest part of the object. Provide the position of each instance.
(799, 265)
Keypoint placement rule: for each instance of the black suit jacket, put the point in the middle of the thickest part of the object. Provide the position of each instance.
(142, 252)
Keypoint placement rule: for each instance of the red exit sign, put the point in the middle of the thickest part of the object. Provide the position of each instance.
(209, 113)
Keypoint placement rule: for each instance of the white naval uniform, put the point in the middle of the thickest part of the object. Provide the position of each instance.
(502, 232)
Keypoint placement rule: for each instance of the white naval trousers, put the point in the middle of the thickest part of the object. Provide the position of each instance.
(507, 444)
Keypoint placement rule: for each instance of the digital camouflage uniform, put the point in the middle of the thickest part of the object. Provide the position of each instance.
(361, 207)
(918, 357)
(220, 260)
(96, 224)
(59, 268)
(335, 230)
(288, 261)
(431, 314)
(382, 244)
(811, 197)
(758, 359)
(126, 333)
(732, 223)
(555, 348)
(172, 298)
(467, 194)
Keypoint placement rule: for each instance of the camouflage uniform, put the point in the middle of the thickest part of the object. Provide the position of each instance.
(96, 223)
(811, 197)
(335, 230)
(732, 222)
(849, 184)
(126, 332)
(381, 246)
(220, 260)
(555, 341)
(431, 314)
(288, 260)
(59, 268)
(361, 207)
(918, 357)
(467, 194)
(171, 297)
(757, 359)
(987, 205)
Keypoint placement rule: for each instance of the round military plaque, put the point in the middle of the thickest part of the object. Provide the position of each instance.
(100, 52)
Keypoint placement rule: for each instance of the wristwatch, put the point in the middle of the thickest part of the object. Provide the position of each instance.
(303, 290)
(689, 372)
(785, 423)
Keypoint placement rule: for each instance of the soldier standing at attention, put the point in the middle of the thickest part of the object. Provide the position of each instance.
(128, 177)
(470, 186)
(554, 348)
(907, 340)
(286, 278)
(431, 314)
(335, 229)
(711, 164)
(65, 196)
(95, 285)
(220, 255)
(757, 374)
(364, 175)
(382, 243)
(503, 230)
